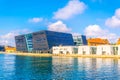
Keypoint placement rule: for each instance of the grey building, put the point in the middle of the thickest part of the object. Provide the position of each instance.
(42, 41)
(21, 43)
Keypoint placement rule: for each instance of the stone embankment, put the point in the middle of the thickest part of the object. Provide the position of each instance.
(62, 55)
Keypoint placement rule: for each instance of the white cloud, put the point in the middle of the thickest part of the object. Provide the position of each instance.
(59, 26)
(117, 13)
(73, 7)
(8, 38)
(35, 20)
(96, 31)
(114, 21)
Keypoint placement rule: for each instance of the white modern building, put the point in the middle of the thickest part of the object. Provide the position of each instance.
(87, 50)
(105, 50)
(65, 50)
(117, 49)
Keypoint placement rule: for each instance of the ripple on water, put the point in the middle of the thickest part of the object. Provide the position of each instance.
(58, 68)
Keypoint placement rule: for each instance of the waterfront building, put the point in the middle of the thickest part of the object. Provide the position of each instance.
(118, 42)
(117, 49)
(42, 41)
(65, 50)
(87, 50)
(80, 40)
(105, 50)
(10, 49)
(97, 41)
(21, 43)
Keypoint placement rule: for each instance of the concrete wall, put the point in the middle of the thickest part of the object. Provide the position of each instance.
(87, 50)
(118, 49)
(64, 49)
(84, 50)
(104, 50)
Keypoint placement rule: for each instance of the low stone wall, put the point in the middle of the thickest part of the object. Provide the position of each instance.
(63, 55)
(89, 56)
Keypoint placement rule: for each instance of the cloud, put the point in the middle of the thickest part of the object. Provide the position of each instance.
(73, 7)
(59, 26)
(96, 31)
(8, 38)
(114, 21)
(35, 20)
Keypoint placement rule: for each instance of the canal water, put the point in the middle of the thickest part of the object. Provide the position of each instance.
(14, 67)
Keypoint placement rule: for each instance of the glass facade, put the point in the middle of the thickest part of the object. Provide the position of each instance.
(80, 40)
(21, 43)
(29, 42)
(58, 38)
(43, 40)
(40, 41)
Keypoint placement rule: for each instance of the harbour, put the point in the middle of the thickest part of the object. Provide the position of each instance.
(16, 67)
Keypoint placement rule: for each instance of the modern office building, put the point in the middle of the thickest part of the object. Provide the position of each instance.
(42, 41)
(80, 40)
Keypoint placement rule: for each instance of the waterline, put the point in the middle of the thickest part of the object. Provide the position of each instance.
(63, 55)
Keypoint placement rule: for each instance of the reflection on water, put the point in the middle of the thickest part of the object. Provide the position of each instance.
(58, 68)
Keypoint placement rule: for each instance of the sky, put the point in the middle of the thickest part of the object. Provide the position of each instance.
(93, 18)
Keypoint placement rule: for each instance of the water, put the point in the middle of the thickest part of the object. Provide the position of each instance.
(58, 68)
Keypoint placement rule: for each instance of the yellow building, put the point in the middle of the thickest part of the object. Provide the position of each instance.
(97, 41)
(10, 49)
(118, 42)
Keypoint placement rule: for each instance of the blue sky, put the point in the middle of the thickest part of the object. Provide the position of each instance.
(93, 18)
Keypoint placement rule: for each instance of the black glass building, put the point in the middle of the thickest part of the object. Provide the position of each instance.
(42, 41)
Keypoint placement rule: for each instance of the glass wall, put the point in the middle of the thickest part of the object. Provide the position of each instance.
(21, 43)
(40, 41)
(29, 42)
(43, 41)
(80, 40)
(58, 38)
